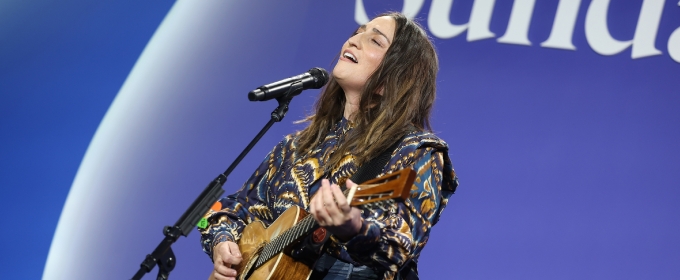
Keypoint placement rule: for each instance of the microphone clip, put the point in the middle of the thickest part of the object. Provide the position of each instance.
(284, 100)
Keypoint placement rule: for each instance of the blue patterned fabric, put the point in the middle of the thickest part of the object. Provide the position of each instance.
(390, 236)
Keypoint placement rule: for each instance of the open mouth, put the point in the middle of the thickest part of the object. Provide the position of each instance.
(350, 57)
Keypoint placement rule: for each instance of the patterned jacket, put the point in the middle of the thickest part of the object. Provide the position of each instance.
(388, 239)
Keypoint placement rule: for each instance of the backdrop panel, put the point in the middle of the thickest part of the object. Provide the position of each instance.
(562, 117)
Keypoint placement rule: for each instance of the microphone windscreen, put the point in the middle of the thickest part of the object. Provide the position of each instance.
(320, 77)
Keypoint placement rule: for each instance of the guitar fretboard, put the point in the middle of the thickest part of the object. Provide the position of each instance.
(276, 245)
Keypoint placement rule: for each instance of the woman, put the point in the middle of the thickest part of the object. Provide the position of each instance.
(382, 89)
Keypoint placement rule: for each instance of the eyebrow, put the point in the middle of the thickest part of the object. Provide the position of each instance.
(377, 31)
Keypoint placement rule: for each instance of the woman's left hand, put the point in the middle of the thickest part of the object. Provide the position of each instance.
(332, 211)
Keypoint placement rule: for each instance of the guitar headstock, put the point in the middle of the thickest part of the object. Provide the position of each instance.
(396, 185)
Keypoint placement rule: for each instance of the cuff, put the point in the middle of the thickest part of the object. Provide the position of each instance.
(219, 237)
(364, 241)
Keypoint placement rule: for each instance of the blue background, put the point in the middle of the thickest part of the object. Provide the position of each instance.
(61, 65)
(568, 160)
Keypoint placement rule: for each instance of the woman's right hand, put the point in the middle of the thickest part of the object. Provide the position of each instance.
(225, 256)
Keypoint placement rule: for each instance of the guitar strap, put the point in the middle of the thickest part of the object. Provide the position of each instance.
(372, 168)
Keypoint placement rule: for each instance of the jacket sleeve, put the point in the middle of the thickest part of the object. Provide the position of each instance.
(248, 204)
(392, 236)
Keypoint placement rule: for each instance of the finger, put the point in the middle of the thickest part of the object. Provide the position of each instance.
(341, 209)
(317, 201)
(225, 271)
(313, 201)
(233, 256)
(340, 199)
(336, 214)
(327, 196)
(312, 205)
(324, 207)
(322, 210)
(233, 248)
(217, 276)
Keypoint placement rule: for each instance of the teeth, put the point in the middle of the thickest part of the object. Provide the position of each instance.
(349, 56)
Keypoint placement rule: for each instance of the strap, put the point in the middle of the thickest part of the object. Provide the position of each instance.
(372, 168)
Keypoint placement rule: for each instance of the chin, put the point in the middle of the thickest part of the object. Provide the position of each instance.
(340, 75)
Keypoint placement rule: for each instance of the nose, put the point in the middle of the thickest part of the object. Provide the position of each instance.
(355, 41)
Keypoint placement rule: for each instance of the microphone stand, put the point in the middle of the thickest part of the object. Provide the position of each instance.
(163, 255)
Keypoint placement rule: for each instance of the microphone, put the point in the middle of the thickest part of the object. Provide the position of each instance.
(314, 78)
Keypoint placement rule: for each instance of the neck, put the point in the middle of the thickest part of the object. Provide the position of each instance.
(351, 105)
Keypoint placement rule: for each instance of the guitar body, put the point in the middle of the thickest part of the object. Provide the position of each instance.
(281, 266)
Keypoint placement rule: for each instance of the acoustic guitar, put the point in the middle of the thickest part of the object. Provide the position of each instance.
(265, 249)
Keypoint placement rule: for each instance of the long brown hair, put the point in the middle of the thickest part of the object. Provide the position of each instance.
(407, 77)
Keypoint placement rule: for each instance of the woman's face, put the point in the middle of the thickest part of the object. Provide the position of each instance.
(362, 53)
